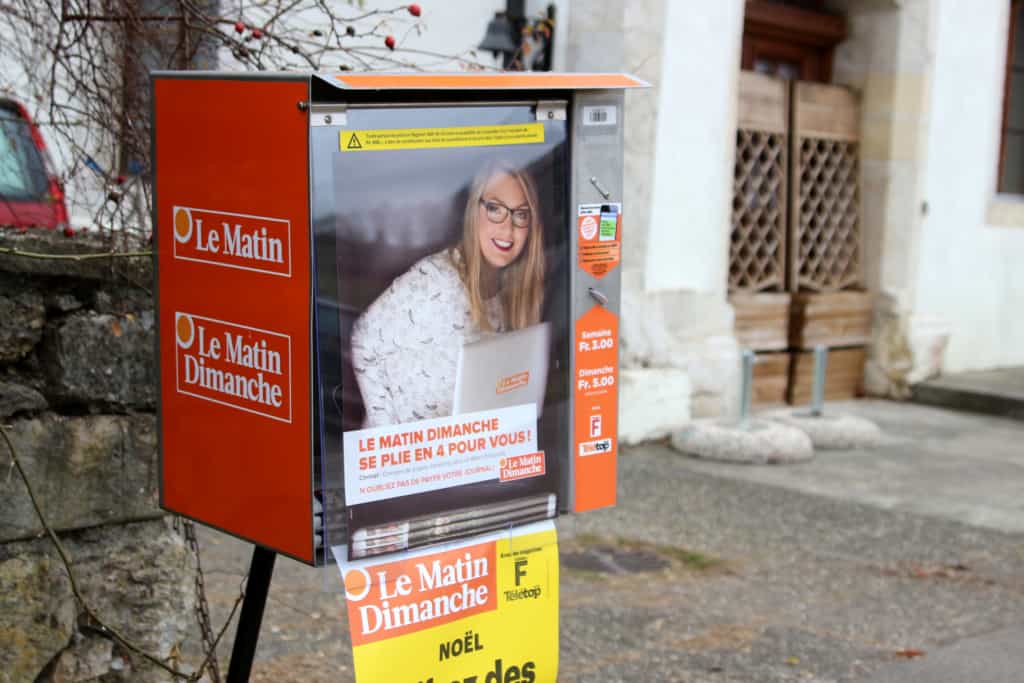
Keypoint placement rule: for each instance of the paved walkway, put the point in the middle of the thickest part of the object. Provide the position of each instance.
(855, 565)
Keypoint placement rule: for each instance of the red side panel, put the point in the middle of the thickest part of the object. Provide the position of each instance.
(232, 187)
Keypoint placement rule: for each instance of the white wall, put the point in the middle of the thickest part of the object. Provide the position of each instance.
(688, 240)
(970, 274)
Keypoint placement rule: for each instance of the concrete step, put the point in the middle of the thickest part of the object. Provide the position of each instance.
(992, 392)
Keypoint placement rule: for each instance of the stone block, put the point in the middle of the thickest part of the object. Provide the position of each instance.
(122, 300)
(832, 432)
(84, 470)
(758, 442)
(15, 398)
(653, 403)
(95, 358)
(98, 261)
(22, 317)
(62, 302)
(137, 577)
(86, 659)
(37, 614)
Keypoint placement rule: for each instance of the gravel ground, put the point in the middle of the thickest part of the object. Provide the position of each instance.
(702, 575)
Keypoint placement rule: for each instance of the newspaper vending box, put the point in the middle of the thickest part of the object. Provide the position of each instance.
(388, 304)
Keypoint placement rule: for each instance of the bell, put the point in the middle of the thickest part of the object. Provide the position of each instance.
(498, 38)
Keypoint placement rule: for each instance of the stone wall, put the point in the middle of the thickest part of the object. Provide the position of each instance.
(888, 59)
(77, 398)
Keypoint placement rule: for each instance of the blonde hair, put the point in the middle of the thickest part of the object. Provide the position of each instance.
(521, 283)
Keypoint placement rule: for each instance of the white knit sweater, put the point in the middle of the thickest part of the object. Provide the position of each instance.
(405, 347)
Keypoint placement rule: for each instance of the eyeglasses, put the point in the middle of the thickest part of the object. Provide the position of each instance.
(498, 212)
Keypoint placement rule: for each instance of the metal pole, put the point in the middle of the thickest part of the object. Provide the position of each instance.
(818, 390)
(746, 386)
(260, 571)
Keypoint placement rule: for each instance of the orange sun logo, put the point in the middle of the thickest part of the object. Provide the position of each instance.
(184, 330)
(182, 224)
(357, 584)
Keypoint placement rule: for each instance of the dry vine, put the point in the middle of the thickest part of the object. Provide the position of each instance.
(84, 70)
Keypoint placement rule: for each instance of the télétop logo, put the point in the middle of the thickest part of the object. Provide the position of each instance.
(234, 365)
(233, 240)
(420, 592)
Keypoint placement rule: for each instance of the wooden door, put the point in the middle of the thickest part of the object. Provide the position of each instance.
(795, 276)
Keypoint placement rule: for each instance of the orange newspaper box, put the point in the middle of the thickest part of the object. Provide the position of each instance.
(388, 304)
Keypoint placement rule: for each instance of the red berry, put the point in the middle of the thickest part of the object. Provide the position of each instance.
(390, 42)
(120, 180)
(414, 10)
(69, 231)
(257, 34)
(239, 27)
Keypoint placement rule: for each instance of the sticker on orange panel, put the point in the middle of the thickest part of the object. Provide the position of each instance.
(596, 392)
(599, 228)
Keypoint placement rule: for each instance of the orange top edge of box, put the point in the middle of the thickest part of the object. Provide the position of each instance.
(484, 81)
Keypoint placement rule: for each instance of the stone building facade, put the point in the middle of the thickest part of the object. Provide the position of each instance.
(941, 243)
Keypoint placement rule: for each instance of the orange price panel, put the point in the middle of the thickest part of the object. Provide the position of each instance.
(596, 408)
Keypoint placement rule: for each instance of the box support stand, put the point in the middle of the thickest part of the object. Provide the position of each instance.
(261, 569)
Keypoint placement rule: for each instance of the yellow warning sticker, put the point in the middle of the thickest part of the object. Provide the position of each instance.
(426, 138)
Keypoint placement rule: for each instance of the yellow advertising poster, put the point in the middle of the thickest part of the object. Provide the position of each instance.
(483, 610)
(451, 136)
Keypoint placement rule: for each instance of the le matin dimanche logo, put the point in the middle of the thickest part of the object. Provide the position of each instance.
(417, 593)
(234, 365)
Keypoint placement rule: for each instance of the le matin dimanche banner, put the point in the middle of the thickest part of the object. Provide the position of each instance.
(483, 610)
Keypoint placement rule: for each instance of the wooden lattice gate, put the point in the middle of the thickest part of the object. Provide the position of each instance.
(796, 249)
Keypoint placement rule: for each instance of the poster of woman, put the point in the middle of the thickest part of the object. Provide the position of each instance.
(442, 322)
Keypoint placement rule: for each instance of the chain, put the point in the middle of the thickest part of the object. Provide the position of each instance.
(202, 606)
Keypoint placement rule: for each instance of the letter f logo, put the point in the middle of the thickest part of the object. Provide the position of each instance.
(520, 569)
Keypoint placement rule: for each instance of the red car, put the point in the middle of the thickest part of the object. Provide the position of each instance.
(31, 196)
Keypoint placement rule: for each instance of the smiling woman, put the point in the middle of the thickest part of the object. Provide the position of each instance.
(491, 281)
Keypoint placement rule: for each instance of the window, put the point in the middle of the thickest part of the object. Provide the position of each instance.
(790, 39)
(1011, 151)
(22, 174)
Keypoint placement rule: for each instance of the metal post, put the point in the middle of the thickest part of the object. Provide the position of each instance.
(818, 390)
(746, 386)
(260, 571)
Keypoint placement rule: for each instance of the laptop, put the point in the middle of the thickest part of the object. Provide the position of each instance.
(503, 370)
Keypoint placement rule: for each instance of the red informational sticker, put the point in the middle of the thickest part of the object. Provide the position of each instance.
(596, 408)
(599, 228)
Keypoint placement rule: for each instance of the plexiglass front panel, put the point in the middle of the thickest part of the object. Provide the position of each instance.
(442, 321)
